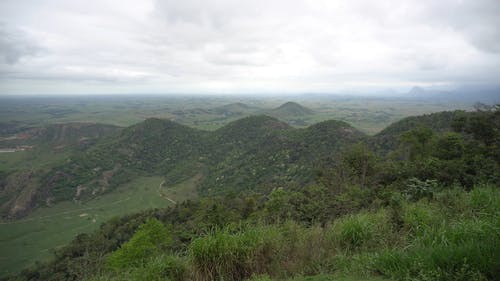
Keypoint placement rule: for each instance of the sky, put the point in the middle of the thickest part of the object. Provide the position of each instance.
(254, 46)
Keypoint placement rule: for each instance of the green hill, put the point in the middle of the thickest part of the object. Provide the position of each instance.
(291, 110)
(388, 138)
(22, 179)
(252, 153)
(263, 153)
(257, 152)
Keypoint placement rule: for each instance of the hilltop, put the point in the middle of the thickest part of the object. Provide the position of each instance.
(256, 152)
(389, 137)
(291, 110)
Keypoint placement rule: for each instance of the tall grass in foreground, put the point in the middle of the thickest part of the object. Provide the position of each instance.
(222, 255)
(465, 245)
(455, 236)
(363, 231)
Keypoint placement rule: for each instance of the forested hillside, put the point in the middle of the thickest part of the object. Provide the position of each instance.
(419, 201)
(257, 152)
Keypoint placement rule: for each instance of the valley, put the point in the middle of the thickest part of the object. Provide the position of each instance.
(36, 236)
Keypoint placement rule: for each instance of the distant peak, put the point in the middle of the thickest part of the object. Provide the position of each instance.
(289, 104)
(416, 91)
(292, 108)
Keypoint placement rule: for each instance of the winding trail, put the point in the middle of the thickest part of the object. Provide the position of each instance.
(163, 195)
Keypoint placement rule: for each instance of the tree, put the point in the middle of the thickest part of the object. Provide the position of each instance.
(416, 142)
(150, 238)
(449, 146)
(360, 162)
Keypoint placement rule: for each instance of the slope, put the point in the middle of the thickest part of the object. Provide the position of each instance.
(257, 152)
(388, 138)
(291, 110)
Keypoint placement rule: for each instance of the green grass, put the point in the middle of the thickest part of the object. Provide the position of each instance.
(32, 238)
(362, 230)
(234, 256)
(363, 246)
(182, 191)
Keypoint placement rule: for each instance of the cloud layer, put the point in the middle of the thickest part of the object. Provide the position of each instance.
(228, 46)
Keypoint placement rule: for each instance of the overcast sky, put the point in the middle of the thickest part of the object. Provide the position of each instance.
(229, 46)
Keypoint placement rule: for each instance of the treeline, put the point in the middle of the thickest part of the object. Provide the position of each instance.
(429, 209)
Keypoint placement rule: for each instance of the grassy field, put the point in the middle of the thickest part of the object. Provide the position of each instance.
(182, 191)
(33, 238)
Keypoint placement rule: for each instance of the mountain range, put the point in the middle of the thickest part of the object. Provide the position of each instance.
(256, 153)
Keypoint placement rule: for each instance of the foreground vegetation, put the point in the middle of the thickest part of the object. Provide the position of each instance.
(452, 236)
(425, 205)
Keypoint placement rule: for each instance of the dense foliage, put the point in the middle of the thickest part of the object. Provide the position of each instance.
(428, 209)
(254, 153)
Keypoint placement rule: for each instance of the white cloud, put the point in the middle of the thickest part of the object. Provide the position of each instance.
(245, 46)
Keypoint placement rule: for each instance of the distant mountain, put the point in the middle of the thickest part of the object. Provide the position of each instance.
(417, 91)
(291, 110)
(486, 94)
(466, 94)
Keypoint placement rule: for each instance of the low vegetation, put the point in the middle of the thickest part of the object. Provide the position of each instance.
(450, 237)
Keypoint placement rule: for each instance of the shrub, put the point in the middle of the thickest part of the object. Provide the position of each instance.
(305, 249)
(474, 260)
(358, 265)
(485, 201)
(421, 217)
(161, 268)
(462, 250)
(235, 256)
(170, 268)
(453, 201)
(417, 189)
(151, 237)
